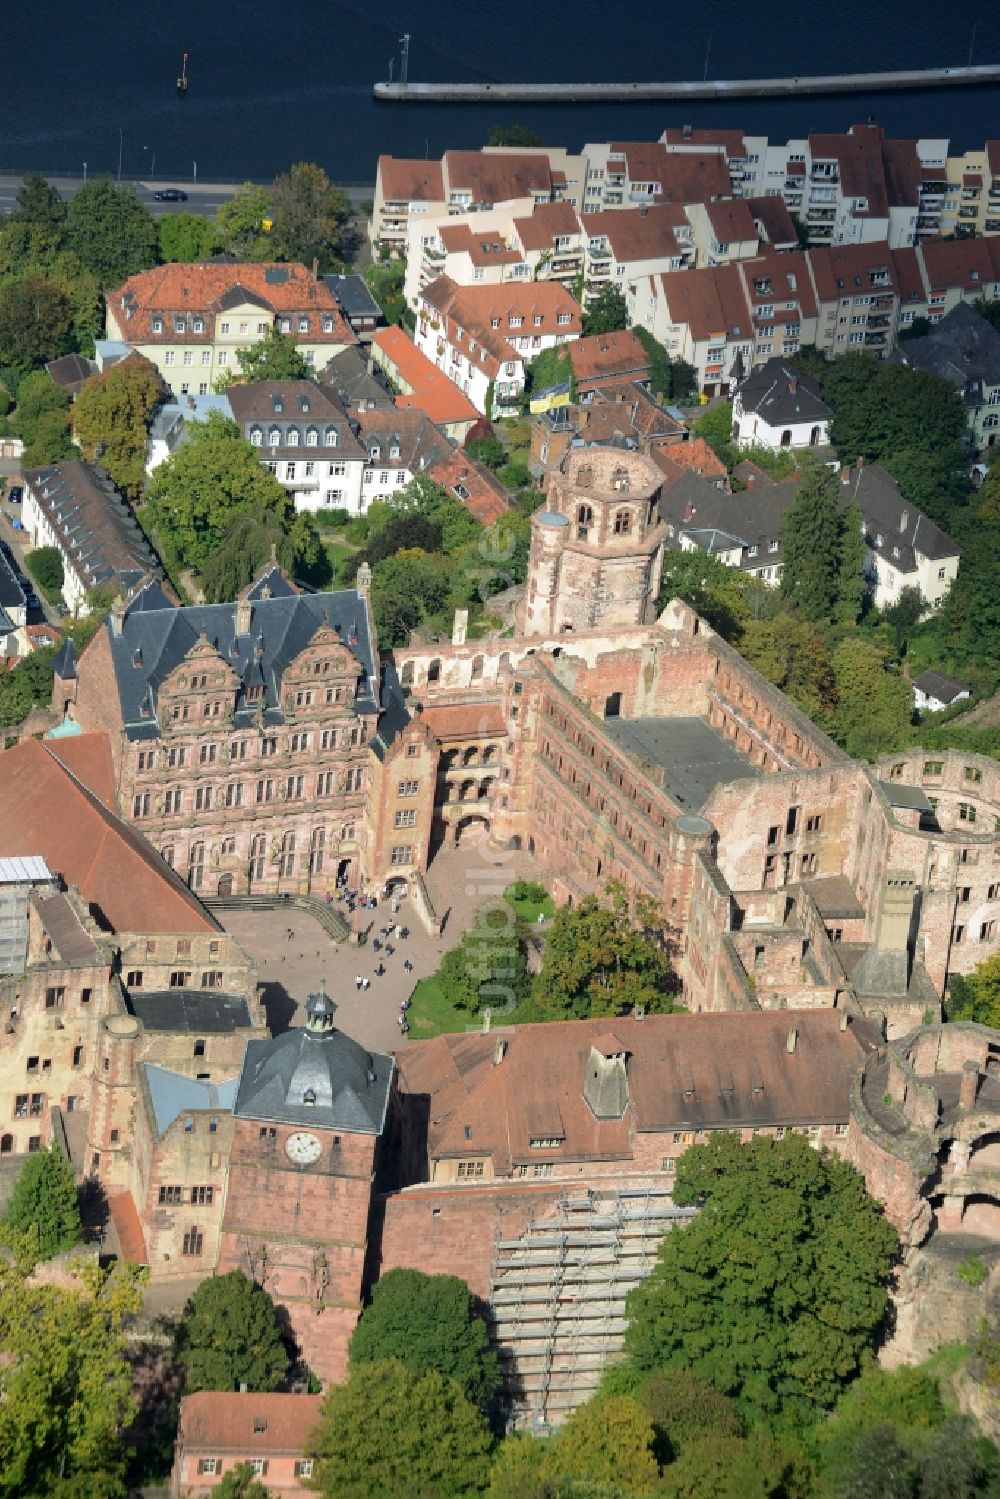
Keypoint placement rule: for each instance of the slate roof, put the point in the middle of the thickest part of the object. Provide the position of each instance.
(778, 393)
(173, 1094)
(684, 1072)
(11, 592)
(350, 1084)
(97, 533)
(935, 684)
(294, 406)
(910, 797)
(355, 385)
(156, 636)
(70, 371)
(203, 1012)
(963, 348)
(694, 758)
(355, 299)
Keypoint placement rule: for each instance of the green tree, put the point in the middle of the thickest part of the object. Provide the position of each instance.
(241, 1483)
(39, 203)
(228, 1336)
(111, 418)
(213, 477)
(773, 1293)
(45, 566)
(812, 534)
(851, 552)
(406, 588)
(50, 441)
(716, 427)
(879, 1466)
(874, 704)
(607, 313)
(487, 449)
(551, 367)
(722, 595)
(44, 1200)
(113, 234)
(489, 967)
(35, 322)
(686, 1409)
(273, 357)
(28, 686)
(732, 1468)
(880, 409)
(904, 615)
(239, 224)
(385, 282)
(597, 963)
(919, 328)
(65, 1382)
(428, 1322)
(905, 1401)
(422, 496)
(669, 379)
(608, 1441)
(976, 996)
(309, 215)
(243, 551)
(187, 237)
(792, 654)
(389, 1432)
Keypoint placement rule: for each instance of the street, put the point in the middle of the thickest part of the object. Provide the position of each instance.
(203, 197)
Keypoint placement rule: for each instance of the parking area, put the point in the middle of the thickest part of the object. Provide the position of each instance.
(460, 881)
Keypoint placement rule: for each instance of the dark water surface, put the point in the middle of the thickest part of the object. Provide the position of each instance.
(275, 83)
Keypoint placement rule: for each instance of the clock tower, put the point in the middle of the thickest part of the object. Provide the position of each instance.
(310, 1109)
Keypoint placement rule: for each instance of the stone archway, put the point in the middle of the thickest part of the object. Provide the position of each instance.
(471, 829)
(225, 886)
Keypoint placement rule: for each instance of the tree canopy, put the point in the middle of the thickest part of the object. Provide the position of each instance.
(111, 419)
(489, 967)
(65, 1383)
(44, 1202)
(428, 1322)
(239, 224)
(229, 1335)
(111, 232)
(215, 476)
(821, 575)
(390, 1431)
(597, 963)
(774, 1291)
(241, 1483)
(187, 237)
(308, 216)
(607, 313)
(35, 322)
(976, 995)
(273, 357)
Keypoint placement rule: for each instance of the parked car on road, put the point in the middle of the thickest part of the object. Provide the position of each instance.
(32, 601)
(171, 195)
(16, 495)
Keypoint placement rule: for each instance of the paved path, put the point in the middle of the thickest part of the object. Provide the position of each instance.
(460, 881)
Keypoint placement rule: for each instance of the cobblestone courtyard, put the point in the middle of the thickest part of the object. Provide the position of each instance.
(459, 880)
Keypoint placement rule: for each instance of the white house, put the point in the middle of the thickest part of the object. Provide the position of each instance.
(305, 439)
(777, 407)
(933, 692)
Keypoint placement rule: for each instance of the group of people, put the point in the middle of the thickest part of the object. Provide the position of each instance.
(384, 944)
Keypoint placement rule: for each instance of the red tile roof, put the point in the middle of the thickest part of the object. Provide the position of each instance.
(538, 232)
(683, 176)
(46, 809)
(993, 158)
(846, 270)
(710, 300)
(608, 356)
(473, 484)
(497, 177)
(484, 248)
(773, 216)
(198, 290)
(637, 233)
(695, 454)
(465, 720)
(685, 1072)
(731, 221)
(909, 280)
(682, 135)
(431, 390)
(410, 181)
(787, 275)
(223, 1421)
(128, 1227)
(965, 263)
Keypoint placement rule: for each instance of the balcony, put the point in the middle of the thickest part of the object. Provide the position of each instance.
(434, 253)
(878, 321)
(875, 340)
(968, 211)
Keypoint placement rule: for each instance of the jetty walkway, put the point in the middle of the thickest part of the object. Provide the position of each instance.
(719, 88)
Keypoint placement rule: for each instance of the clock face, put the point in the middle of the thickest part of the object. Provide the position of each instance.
(303, 1148)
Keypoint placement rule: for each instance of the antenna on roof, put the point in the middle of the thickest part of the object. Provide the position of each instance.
(404, 61)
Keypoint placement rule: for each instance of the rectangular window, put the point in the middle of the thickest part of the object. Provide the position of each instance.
(408, 788)
(54, 997)
(470, 1169)
(933, 767)
(234, 794)
(194, 1241)
(814, 824)
(140, 805)
(402, 853)
(966, 812)
(202, 1196)
(973, 773)
(304, 1467)
(212, 978)
(170, 1196)
(133, 979)
(209, 1465)
(406, 817)
(172, 801)
(203, 799)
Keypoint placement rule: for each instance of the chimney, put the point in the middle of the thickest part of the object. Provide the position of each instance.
(793, 384)
(845, 476)
(363, 581)
(244, 614)
(118, 617)
(844, 1020)
(751, 480)
(969, 1086)
(791, 1040)
(499, 1051)
(487, 1021)
(315, 268)
(904, 520)
(688, 511)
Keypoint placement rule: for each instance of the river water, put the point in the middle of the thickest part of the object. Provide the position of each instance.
(271, 84)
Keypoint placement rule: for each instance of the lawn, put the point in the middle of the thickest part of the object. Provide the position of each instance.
(530, 910)
(430, 1014)
(338, 552)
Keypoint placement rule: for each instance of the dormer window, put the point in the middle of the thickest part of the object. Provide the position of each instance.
(327, 324)
(157, 325)
(309, 1098)
(537, 320)
(178, 325)
(376, 452)
(293, 437)
(312, 438)
(256, 437)
(274, 437)
(494, 322)
(394, 451)
(303, 325)
(330, 437)
(286, 325)
(199, 325)
(515, 320)
(278, 403)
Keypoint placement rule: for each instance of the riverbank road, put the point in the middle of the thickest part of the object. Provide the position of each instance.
(460, 880)
(203, 197)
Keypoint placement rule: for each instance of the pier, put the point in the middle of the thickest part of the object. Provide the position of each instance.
(719, 88)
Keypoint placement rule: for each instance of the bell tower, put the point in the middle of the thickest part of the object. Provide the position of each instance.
(597, 546)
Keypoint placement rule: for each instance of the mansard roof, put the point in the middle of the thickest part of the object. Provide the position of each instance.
(324, 1080)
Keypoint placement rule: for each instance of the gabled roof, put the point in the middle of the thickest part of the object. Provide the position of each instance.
(637, 233)
(777, 392)
(410, 181)
(683, 176)
(608, 356)
(711, 301)
(248, 1425)
(353, 295)
(963, 348)
(174, 1093)
(497, 177)
(431, 392)
(935, 684)
(46, 808)
(95, 530)
(157, 636)
(547, 222)
(354, 384)
(479, 490)
(772, 215)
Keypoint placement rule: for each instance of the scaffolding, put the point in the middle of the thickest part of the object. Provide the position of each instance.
(558, 1293)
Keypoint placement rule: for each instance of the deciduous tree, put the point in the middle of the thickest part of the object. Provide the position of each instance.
(44, 1200)
(976, 996)
(239, 224)
(489, 967)
(187, 237)
(35, 322)
(686, 1409)
(597, 963)
(733, 1468)
(309, 215)
(874, 704)
(609, 1441)
(428, 1322)
(112, 233)
(111, 419)
(228, 1336)
(607, 313)
(774, 1291)
(792, 654)
(274, 357)
(388, 1432)
(241, 1483)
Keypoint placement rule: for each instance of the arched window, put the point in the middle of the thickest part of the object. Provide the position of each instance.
(258, 856)
(293, 437)
(196, 865)
(584, 520)
(316, 850)
(286, 864)
(228, 847)
(477, 668)
(330, 437)
(256, 437)
(623, 522)
(274, 437)
(312, 438)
